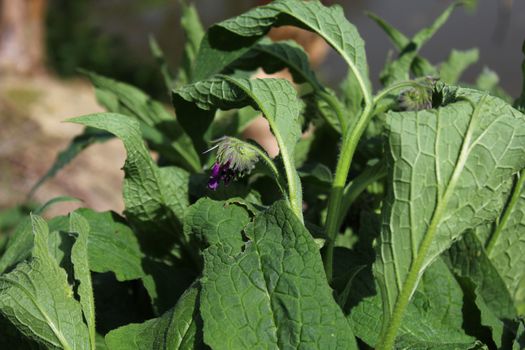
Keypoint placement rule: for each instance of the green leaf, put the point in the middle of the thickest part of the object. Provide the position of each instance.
(215, 56)
(165, 71)
(449, 170)
(178, 328)
(276, 291)
(329, 22)
(209, 222)
(498, 283)
(194, 32)
(434, 316)
(80, 260)
(18, 246)
(36, 298)
(159, 127)
(155, 198)
(112, 246)
(456, 63)
(275, 98)
(273, 57)
(88, 137)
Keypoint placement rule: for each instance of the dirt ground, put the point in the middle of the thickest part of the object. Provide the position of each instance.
(32, 132)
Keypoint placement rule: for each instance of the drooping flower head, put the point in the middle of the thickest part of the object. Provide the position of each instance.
(417, 98)
(235, 159)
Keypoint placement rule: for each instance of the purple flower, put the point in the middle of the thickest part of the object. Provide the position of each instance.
(220, 172)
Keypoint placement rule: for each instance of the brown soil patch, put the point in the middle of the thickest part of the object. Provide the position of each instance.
(31, 135)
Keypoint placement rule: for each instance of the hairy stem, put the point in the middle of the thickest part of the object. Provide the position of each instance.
(350, 142)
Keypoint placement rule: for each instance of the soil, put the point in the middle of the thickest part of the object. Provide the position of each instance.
(32, 132)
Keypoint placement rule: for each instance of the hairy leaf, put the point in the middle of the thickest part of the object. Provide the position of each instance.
(209, 222)
(329, 22)
(449, 170)
(178, 328)
(274, 293)
(36, 298)
(155, 197)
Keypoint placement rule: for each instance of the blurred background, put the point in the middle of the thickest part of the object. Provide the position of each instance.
(44, 42)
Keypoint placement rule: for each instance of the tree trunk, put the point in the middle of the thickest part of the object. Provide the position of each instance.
(22, 46)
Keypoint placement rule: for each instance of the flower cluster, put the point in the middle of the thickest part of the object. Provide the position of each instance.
(235, 159)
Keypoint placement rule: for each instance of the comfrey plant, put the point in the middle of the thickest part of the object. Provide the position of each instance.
(396, 221)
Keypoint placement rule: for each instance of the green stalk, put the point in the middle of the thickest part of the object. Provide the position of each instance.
(349, 146)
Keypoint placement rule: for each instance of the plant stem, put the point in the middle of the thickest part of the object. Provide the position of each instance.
(516, 193)
(349, 146)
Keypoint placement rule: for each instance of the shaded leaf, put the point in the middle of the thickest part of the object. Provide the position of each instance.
(178, 328)
(80, 260)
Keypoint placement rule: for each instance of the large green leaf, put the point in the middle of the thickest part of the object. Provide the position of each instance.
(112, 245)
(275, 98)
(155, 198)
(449, 170)
(80, 260)
(329, 22)
(274, 294)
(37, 299)
(178, 328)
(159, 127)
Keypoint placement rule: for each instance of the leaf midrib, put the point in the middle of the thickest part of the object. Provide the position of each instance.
(417, 265)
